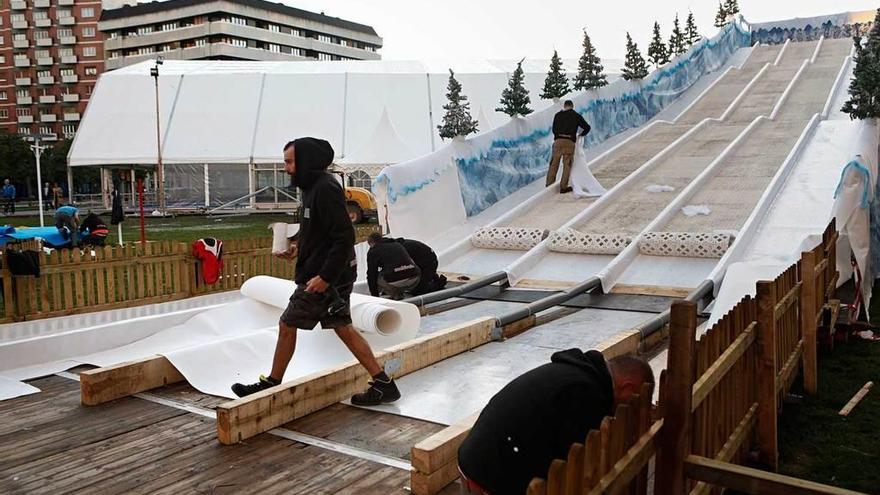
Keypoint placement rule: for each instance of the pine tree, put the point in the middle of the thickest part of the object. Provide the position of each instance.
(657, 53)
(515, 98)
(721, 16)
(864, 89)
(634, 66)
(457, 121)
(691, 35)
(731, 7)
(590, 71)
(676, 40)
(556, 83)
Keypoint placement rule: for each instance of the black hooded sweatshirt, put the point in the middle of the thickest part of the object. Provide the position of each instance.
(388, 259)
(422, 255)
(326, 235)
(535, 419)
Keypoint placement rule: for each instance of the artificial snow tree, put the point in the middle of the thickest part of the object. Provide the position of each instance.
(515, 98)
(657, 53)
(634, 66)
(864, 89)
(457, 121)
(721, 16)
(690, 30)
(556, 83)
(590, 73)
(731, 7)
(676, 41)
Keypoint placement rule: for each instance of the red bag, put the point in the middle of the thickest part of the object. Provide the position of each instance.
(209, 252)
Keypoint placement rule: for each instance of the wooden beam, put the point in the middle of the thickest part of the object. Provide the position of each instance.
(766, 370)
(856, 399)
(754, 481)
(739, 436)
(621, 344)
(243, 418)
(652, 290)
(102, 385)
(441, 448)
(433, 483)
(785, 374)
(631, 464)
(808, 312)
(790, 298)
(518, 327)
(722, 366)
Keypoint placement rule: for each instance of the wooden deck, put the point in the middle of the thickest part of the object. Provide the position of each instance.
(50, 443)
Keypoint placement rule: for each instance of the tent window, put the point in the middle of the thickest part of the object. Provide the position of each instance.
(359, 178)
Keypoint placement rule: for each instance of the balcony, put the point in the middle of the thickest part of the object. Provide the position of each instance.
(25, 119)
(24, 100)
(47, 99)
(46, 80)
(68, 59)
(22, 62)
(70, 98)
(44, 42)
(45, 61)
(65, 2)
(21, 43)
(18, 5)
(41, 4)
(19, 24)
(71, 117)
(70, 79)
(67, 21)
(43, 23)
(49, 137)
(48, 117)
(68, 40)
(22, 81)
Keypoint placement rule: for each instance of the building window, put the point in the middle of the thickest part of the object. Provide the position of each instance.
(114, 35)
(44, 129)
(69, 130)
(201, 42)
(89, 90)
(89, 32)
(275, 28)
(46, 73)
(237, 20)
(17, 17)
(169, 26)
(24, 130)
(41, 14)
(2, 40)
(325, 38)
(22, 93)
(89, 51)
(146, 50)
(65, 52)
(23, 112)
(237, 42)
(43, 54)
(144, 30)
(65, 33)
(65, 72)
(167, 48)
(274, 48)
(324, 56)
(4, 113)
(91, 71)
(62, 13)
(114, 54)
(87, 12)
(359, 178)
(2, 57)
(19, 37)
(41, 35)
(3, 95)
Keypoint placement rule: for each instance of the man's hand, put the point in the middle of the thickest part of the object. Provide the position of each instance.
(290, 254)
(317, 285)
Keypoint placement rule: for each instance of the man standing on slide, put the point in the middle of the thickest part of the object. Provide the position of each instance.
(325, 272)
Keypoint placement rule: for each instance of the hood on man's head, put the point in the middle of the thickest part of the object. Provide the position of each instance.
(312, 156)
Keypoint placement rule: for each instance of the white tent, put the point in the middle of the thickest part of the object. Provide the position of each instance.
(383, 147)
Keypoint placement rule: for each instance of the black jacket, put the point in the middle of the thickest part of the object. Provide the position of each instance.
(421, 254)
(94, 225)
(535, 419)
(566, 124)
(389, 259)
(326, 235)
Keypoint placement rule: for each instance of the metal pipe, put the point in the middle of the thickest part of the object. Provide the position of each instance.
(547, 302)
(456, 291)
(651, 326)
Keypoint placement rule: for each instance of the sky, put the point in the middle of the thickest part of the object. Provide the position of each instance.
(512, 29)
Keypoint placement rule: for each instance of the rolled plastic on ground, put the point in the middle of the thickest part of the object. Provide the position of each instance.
(521, 239)
(685, 244)
(573, 241)
(368, 314)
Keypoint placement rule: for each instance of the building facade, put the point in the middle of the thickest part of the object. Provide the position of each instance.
(230, 30)
(51, 54)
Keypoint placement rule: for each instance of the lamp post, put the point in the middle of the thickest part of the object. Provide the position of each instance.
(37, 148)
(160, 171)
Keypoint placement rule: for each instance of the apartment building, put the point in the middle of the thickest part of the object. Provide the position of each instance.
(230, 30)
(51, 54)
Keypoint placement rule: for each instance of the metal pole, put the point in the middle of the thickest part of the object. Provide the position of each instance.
(140, 186)
(160, 172)
(38, 151)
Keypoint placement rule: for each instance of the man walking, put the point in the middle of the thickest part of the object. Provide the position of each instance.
(325, 272)
(389, 268)
(8, 198)
(565, 135)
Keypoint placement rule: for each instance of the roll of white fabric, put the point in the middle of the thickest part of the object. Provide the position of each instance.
(281, 234)
(368, 314)
(573, 241)
(521, 239)
(685, 244)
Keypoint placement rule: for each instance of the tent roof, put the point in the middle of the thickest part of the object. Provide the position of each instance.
(383, 147)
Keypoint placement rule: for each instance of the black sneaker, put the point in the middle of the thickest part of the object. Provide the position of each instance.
(243, 390)
(380, 392)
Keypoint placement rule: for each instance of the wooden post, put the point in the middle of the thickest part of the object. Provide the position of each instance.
(675, 440)
(808, 312)
(766, 375)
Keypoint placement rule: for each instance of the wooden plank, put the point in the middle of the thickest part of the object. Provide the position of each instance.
(856, 399)
(113, 382)
(592, 460)
(736, 441)
(786, 374)
(754, 481)
(719, 369)
(518, 327)
(628, 467)
(441, 448)
(78, 289)
(790, 298)
(574, 469)
(556, 477)
(808, 312)
(538, 487)
(652, 290)
(766, 374)
(676, 437)
(243, 418)
(433, 483)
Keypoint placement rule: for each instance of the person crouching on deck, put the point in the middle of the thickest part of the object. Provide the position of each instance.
(325, 272)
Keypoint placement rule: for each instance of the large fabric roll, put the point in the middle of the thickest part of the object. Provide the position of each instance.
(685, 244)
(573, 241)
(515, 238)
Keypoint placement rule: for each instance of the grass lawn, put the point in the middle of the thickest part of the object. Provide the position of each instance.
(819, 445)
(190, 228)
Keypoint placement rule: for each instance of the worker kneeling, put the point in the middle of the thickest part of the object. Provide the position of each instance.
(390, 270)
(93, 231)
(539, 415)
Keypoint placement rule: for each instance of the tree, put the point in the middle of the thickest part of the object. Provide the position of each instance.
(556, 83)
(634, 66)
(676, 40)
(864, 89)
(691, 35)
(590, 73)
(457, 120)
(731, 7)
(657, 53)
(721, 16)
(515, 98)
(16, 161)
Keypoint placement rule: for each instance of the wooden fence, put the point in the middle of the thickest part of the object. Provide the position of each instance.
(720, 396)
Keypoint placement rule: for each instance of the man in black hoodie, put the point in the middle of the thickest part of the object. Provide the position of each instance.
(326, 270)
(565, 135)
(424, 258)
(389, 268)
(539, 415)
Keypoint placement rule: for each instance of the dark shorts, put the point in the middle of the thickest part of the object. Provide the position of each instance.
(307, 309)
